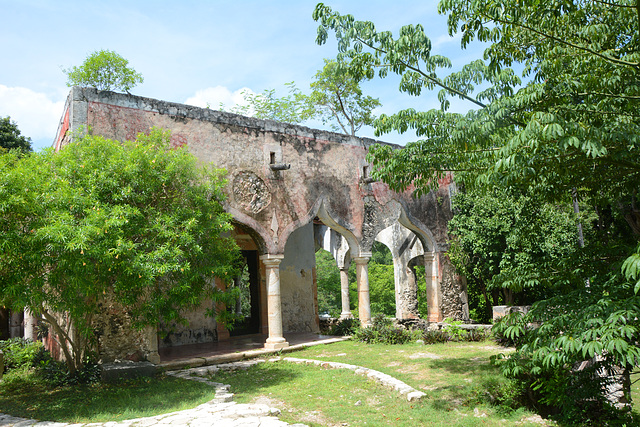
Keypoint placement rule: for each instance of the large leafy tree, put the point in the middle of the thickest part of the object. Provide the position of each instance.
(569, 126)
(137, 226)
(104, 70)
(509, 246)
(338, 98)
(10, 137)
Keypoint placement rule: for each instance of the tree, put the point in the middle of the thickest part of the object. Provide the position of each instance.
(135, 227)
(338, 97)
(328, 279)
(10, 137)
(293, 108)
(503, 241)
(104, 70)
(570, 128)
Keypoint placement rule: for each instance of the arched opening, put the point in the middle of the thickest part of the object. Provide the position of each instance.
(411, 284)
(247, 306)
(328, 282)
(334, 272)
(382, 289)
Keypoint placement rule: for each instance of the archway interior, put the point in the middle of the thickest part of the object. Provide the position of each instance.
(247, 307)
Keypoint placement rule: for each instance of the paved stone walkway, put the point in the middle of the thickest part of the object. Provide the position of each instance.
(222, 411)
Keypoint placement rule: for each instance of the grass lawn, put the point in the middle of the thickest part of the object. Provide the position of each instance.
(457, 378)
(28, 397)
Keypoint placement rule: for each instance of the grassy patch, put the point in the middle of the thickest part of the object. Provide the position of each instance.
(457, 378)
(23, 394)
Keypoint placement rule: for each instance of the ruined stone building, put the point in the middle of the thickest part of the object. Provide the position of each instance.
(291, 190)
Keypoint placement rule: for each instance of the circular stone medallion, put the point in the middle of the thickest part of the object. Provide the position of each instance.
(250, 192)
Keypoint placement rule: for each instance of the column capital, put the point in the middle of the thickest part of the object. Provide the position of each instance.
(271, 259)
(363, 258)
(430, 256)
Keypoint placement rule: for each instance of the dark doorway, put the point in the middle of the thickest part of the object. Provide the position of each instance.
(249, 302)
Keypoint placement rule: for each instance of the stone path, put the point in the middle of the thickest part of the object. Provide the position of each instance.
(222, 411)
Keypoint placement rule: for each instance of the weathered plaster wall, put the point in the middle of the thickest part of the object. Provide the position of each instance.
(325, 179)
(117, 338)
(200, 329)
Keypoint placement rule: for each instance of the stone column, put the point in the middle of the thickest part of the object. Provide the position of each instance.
(15, 326)
(433, 287)
(30, 326)
(274, 307)
(344, 293)
(152, 340)
(364, 302)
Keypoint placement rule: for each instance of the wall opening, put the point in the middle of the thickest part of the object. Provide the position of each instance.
(248, 302)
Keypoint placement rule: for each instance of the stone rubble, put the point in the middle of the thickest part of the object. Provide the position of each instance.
(222, 411)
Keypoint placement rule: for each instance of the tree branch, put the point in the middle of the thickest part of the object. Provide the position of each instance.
(565, 42)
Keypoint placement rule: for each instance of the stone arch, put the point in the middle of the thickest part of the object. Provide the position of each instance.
(405, 246)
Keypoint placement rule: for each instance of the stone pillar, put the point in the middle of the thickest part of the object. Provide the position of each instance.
(344, 293)
(274, 307)
(364, 302)
(15, 326)
(30, 326)
(433, 287)
(152, 339)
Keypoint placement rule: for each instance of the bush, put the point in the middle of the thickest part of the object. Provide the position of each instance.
(56, 373)
(19, 352)
(435, 336)
(345, 327)
(383, 331)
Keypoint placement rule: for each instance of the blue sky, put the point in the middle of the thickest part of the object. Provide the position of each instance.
(194, 52)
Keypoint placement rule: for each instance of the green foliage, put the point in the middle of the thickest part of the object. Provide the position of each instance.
(10, 137)
(570, 125)
(133, 227)
(505, 243)
(338, 97)
(104, 70)
(328, 280)
(345, 327)
(382, 289)
(382, 331)
(19, 353)
(293, 108)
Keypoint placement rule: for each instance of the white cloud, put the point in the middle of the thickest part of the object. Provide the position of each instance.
(35, 113)
(214, 96)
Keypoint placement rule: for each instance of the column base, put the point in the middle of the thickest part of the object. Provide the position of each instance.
(275, 345)
(434, 318)
(346, 315)
(153, 357)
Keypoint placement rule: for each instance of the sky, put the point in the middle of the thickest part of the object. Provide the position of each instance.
(192, 52)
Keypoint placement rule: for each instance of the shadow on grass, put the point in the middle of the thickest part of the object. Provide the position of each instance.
(101, 402)
(464, 366)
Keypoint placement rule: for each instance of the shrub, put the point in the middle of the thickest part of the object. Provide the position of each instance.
(435, 336)
(345, 327)
(19, 352)
(384, 332)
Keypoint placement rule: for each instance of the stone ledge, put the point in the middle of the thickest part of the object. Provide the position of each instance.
(195, 362)
(111, 372)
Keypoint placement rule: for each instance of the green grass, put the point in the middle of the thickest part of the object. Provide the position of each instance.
(23, 394)
(457, 378)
